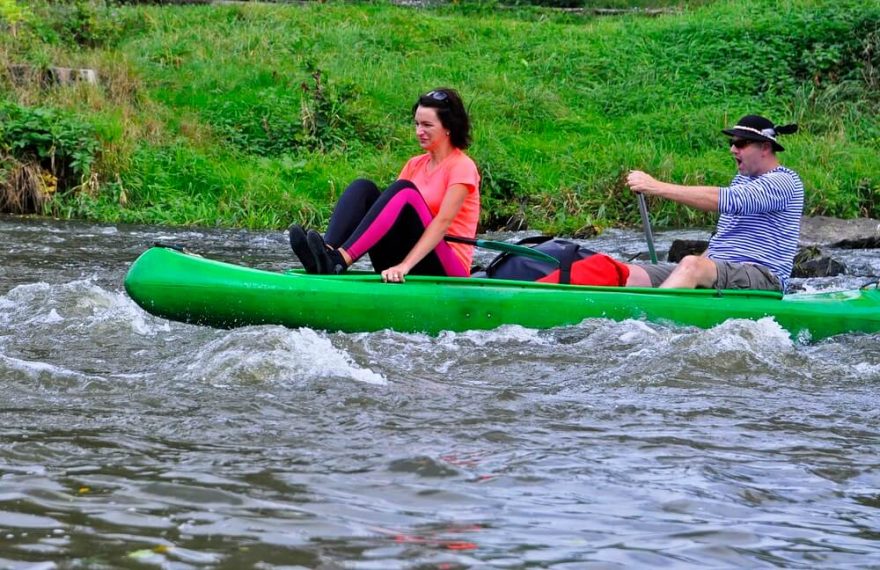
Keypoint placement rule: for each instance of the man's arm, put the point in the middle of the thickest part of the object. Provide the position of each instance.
(700, 197)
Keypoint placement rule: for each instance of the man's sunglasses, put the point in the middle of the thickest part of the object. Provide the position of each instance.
(742, 143)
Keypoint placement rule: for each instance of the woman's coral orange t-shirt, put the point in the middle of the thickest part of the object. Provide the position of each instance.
(457, 168)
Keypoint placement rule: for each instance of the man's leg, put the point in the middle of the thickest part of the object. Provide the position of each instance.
(638, 277)
(693, 271)
(733, 275)
(644, 275)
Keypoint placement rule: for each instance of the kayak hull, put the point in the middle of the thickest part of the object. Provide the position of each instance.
(188, 288)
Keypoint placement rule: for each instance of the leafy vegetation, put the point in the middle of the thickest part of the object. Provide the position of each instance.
(43, 152)
(63, 145)
(257, 115)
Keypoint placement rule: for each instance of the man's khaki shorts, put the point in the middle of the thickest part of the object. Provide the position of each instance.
(730, 275)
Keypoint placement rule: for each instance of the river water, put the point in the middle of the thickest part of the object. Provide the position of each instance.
(128, 441)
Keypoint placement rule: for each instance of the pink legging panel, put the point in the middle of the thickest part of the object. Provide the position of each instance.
(386, 219)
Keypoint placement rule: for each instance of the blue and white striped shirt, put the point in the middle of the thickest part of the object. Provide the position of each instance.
(760, 221)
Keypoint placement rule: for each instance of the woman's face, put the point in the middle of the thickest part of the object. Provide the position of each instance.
(429, 130)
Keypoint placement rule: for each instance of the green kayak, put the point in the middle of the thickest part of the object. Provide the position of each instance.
(189, 288)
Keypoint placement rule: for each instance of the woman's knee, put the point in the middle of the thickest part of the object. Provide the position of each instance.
(399, 185)
(400, 192)
(362, 186)
(358, 197)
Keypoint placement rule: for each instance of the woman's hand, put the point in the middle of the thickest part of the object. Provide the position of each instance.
(396, 274)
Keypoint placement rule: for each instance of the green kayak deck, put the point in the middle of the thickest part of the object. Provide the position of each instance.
(192, 289)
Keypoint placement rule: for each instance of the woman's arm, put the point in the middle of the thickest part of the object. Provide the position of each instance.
(449, 208)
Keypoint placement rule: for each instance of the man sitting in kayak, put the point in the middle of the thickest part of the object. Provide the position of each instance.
(403, 227)
(756, 238)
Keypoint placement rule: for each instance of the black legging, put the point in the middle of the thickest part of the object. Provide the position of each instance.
(387, 225)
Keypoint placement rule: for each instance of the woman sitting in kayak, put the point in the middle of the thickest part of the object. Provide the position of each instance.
(403, 227)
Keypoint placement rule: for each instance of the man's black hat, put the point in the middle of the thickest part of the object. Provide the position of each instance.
(757, 128)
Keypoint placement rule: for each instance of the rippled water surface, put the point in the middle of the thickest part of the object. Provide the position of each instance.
(128, 441)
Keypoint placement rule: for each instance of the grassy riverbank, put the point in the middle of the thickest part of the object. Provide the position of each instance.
(255, 115)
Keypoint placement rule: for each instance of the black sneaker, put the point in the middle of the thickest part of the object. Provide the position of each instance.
(300, 247)
(329, 261)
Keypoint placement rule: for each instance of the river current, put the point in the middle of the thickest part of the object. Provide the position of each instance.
(129, 441)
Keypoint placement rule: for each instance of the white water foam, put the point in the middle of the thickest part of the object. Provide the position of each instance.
(639, 331)
(77, 303)
(506, 334)
(20, 301)
(762, 335)
(274, 354)
(40, 370)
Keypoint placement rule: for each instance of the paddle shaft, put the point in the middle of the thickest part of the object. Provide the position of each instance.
(505, 247)
(646, 223)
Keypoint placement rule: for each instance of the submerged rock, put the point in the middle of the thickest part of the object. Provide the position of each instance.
(683, 247)
(810, 262)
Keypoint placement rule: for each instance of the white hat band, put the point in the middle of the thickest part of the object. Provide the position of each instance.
(769, 133)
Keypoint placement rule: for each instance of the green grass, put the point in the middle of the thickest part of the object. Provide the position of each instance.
(201, 109)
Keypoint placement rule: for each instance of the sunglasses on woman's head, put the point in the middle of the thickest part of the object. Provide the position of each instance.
(437, 95)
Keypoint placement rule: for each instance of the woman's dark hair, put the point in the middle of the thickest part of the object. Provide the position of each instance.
(451, 112)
